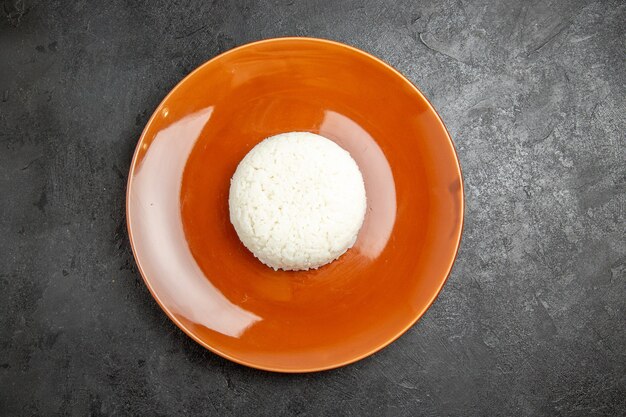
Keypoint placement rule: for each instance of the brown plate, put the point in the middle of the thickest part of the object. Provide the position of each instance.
(204, 278)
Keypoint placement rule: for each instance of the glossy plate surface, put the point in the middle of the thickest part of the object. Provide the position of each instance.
(204, 278)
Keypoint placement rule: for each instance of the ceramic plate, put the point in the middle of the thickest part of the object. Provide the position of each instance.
(212, 287)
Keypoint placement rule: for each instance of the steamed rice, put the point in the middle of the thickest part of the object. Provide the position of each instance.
(297, 201)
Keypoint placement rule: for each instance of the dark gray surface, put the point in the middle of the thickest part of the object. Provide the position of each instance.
(532, 319)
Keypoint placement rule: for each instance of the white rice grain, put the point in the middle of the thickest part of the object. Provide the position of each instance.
(297, 201)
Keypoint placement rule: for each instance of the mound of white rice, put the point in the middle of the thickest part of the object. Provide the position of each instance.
(297, 201)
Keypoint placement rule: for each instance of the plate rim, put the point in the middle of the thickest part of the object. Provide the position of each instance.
(301, 369)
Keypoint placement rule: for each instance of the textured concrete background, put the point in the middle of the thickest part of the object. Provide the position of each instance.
(532, 321)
